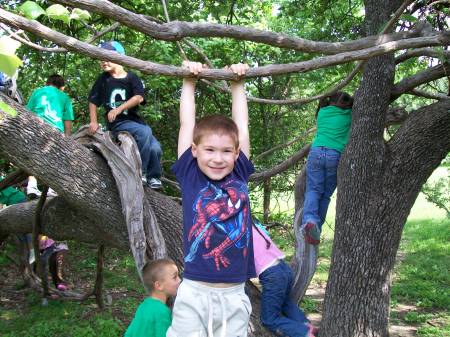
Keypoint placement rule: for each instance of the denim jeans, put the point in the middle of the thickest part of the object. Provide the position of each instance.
(321, 180)
(149, 147)
(279, 313)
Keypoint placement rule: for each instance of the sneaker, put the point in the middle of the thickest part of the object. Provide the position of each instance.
(154, 183)
(33, 192)
(51, 193)
(311, 233)
(62, 287)
(144, 180)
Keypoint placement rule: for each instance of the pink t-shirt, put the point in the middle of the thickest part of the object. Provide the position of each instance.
(264, 257)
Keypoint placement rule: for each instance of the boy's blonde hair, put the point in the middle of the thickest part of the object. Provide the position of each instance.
(216, 124)
(153, 271)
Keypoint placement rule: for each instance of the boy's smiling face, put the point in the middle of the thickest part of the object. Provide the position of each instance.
(216, 155)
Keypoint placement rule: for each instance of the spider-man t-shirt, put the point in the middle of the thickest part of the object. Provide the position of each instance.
(217, 231)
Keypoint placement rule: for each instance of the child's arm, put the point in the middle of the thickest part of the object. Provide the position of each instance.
(239, 108)
(93, 125)
(131, 103)
(67, 128)
(187, 108)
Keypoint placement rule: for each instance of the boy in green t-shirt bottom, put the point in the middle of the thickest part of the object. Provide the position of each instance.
(153, 316)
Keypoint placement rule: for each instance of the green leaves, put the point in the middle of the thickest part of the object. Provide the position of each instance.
(80, 14)
(9, 62)
(58, 12)
(6, 108)
(31, 10)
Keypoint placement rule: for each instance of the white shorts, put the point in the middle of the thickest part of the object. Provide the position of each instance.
(203, 311)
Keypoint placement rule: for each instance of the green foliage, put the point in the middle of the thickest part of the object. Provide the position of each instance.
(31, 10)
(8, 109)
(58, 12)
(9, 62)
(438, 193)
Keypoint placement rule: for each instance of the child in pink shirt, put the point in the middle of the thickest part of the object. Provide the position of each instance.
(279, 313)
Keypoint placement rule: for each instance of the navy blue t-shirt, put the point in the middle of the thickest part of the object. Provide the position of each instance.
(111, 92)
(217, 231)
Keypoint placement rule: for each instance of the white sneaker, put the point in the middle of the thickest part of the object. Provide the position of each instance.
(155, 183)
(51, 193)
(33, 191)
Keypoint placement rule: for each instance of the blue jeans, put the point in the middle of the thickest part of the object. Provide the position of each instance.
(149, 147)
(321, 180)
(279, 313)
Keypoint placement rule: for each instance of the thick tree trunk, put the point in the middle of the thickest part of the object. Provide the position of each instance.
(87, 207)
(378, 184)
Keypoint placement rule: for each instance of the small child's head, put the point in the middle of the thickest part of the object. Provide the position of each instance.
(161, 277)
(113, 46)
(340, 99)
(56, 81)
(215, 145)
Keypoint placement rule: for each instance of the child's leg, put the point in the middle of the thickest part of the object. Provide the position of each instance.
(331, 166)
(231, 305)
(202, 311)
(189, 312)
(290, 309)
(275, 282)
(154, 164)
(315, 181)
(56, 266)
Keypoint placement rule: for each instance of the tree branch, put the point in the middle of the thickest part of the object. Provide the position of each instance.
(428, 75)
(439, 54)
(291, 161)
(270, 70)
(279, 146)
(176, 30)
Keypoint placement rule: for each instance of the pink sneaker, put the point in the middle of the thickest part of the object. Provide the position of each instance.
(62, 287)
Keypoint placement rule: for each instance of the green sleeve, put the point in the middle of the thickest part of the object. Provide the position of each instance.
(68, 110)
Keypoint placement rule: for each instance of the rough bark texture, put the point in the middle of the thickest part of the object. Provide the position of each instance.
(88, 207)
(378, 184)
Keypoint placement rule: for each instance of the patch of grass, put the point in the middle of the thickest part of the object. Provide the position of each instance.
(75, 319)
(423, 277)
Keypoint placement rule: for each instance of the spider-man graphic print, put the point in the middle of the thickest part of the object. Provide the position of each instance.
(223, 208)
(217, 241)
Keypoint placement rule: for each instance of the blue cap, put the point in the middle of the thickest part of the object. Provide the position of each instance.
(113, 45)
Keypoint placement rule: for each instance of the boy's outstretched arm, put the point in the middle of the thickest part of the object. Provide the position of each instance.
(239, 108)
(187, 108)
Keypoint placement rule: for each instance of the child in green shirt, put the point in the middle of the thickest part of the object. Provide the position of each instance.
(334, 118)
(51, 104)
(153, 316)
